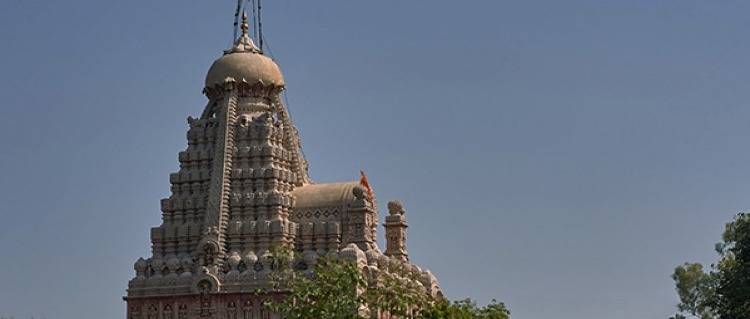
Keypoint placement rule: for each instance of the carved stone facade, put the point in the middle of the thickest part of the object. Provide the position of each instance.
(395, 231)
(243, 191)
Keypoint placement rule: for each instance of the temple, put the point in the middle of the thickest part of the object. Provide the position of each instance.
(242, 192)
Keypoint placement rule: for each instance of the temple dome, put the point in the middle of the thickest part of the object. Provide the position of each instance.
(244, 61)
(249, 66)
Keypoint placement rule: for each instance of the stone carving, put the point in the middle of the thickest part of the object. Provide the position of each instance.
(135, 312)
(247, 310)
(231, 310)
(395, 207)
(361, 196)
(187, 263)
(204, 287)
(234, 262)
(395, 231)
(153, 312)
(182, 312)
(167, 312)
(208, 255)
(219, 186)
(140, 268)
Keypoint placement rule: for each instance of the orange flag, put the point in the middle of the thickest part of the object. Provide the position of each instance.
(363, 182)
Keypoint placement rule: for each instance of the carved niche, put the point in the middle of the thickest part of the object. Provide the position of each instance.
(247, 310)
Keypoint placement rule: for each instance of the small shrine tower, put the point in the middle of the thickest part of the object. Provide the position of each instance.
(241, 193)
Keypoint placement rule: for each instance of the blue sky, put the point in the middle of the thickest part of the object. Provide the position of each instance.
(560, 156)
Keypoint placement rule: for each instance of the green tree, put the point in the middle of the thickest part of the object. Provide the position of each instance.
(336, 289)
(465, 309)
(330, 291)
(396, 294)
(494, 310)
(724, 291)
(733, 270)
(697, 291)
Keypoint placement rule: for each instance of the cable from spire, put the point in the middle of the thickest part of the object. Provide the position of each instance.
(260, 27)
(236, 19)
(255, 22)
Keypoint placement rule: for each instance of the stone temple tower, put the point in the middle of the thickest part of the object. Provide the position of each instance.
(242, 191)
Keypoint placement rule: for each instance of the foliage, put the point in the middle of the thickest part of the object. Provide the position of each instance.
(336, 289)
(733, 270)
(494, 310)
(397, 295)
(723, 292)
(696, 289)
(465, 309)
(330, 291)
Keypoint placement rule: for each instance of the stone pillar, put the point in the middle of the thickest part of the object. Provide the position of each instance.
(395, 231)
(360, 219)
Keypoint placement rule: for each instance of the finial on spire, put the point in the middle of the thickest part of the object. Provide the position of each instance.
(244, 23)
(244, 43)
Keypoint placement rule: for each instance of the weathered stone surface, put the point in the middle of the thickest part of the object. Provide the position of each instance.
(243, 191)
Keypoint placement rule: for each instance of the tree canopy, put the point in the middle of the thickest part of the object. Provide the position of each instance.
(724, 291)
(334, 288)
(329, 291)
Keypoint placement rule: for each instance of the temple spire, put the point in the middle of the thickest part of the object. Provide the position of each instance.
(244, 43)
(244, 24)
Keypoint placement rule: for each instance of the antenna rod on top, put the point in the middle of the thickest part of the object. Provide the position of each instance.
(236, 17)
(260, 28)
(255, 21)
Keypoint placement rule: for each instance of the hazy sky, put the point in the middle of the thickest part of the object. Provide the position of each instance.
(560, 156)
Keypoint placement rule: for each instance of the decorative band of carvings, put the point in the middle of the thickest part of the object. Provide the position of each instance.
(220, 171)
(317, 213)
(243, 88)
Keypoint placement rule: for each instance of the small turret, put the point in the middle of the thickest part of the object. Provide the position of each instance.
(395, 231)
